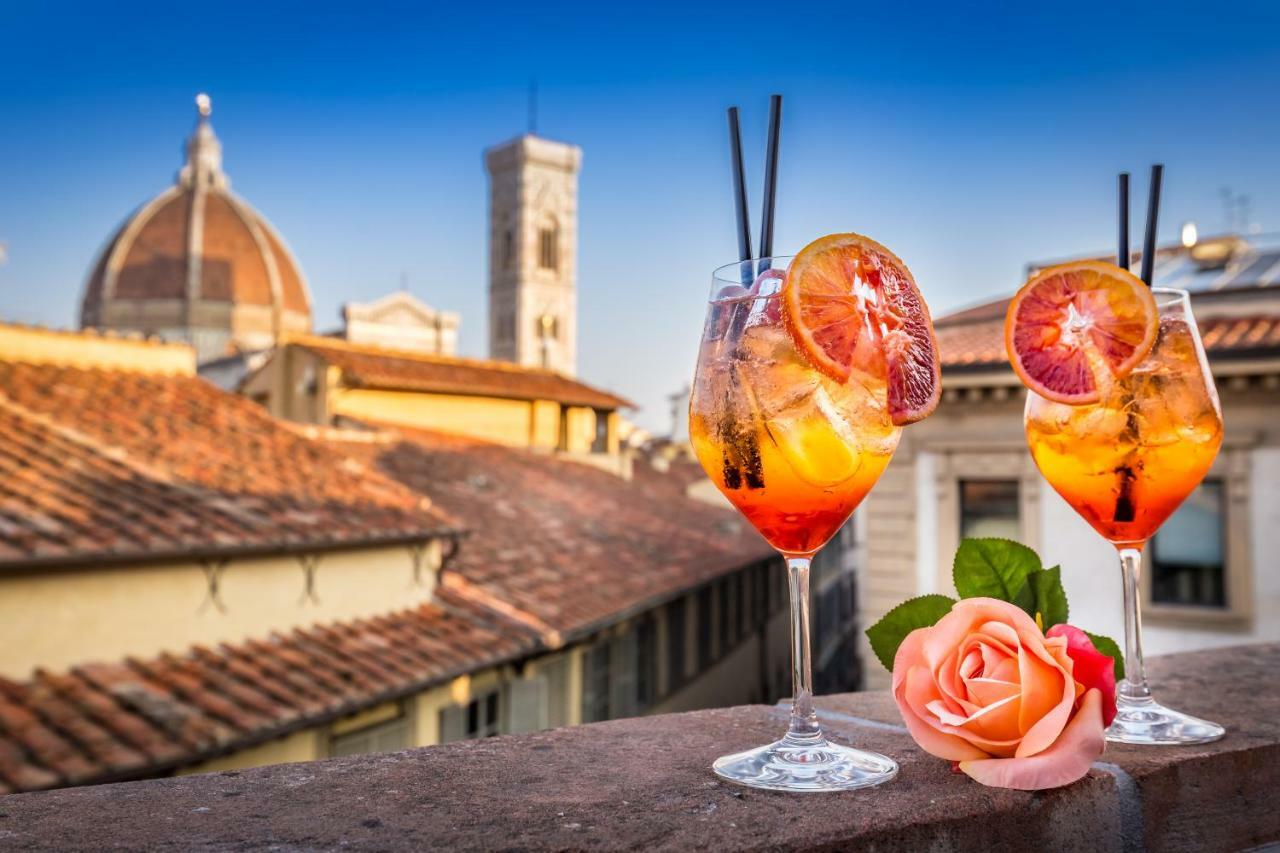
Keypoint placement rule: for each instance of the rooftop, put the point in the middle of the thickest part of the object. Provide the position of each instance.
(110, 465)
(370, 366)
(135, 718)
(646, 783)
(572, 546)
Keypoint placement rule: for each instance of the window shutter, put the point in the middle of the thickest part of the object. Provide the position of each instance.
(453, 724)
(623, 659)
(527, 705)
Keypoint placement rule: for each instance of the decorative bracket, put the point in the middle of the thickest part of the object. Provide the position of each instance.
(309, 563)
(213, 580)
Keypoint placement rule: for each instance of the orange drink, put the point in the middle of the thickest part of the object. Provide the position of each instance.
(1123, 421)
(804, 381)
(1126, 462)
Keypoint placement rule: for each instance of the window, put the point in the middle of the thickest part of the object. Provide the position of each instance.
(726, 618)
(742, 597)
(548, 248)
(595, 683)
(675, 644)
(704, 628)
(386, 736)
(1187, 565)
(481, 717)
(646, 662)
(989, 508)
(601, 442)
(508, 249)
(557, 675)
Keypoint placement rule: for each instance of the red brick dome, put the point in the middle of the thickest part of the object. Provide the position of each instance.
(197, 263)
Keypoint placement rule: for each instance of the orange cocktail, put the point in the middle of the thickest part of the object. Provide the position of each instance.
(807, 370)
(1128, 461)
(794, 450)
(1123, 420)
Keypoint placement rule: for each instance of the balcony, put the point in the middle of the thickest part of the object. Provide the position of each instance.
(646, 783)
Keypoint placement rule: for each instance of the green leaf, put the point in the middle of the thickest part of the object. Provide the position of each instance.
(887, 634)
(995, 568)
(1048, 597)
(1108, 647)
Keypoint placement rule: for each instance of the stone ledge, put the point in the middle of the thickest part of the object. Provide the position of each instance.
(645, 783)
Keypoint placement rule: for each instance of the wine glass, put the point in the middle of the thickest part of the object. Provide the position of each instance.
(795, 452)
(1124, 464)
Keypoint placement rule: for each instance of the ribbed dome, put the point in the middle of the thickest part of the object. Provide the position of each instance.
(198, 264)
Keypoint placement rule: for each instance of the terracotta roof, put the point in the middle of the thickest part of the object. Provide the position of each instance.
(112, 464)
(570, 545)
(371, 366)
(137, 718)
(979, 345)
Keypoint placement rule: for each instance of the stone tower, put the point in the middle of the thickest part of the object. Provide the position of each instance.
(533, 243)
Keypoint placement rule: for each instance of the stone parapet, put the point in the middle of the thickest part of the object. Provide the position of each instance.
(646, 783)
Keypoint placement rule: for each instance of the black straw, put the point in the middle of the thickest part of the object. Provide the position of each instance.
(1122, 242)
(770, 176)
(1153, 213)
(739, 187)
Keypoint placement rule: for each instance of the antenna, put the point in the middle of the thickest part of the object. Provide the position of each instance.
(533, 106)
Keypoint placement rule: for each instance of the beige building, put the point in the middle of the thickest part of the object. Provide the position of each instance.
(198, 264)
(326, 381)
(966, 471)
(533, 250)
(400, 321)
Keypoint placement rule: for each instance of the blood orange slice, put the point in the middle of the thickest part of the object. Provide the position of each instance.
(852, 306)
(1070, 321)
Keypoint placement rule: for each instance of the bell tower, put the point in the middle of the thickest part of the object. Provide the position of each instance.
(533, 248)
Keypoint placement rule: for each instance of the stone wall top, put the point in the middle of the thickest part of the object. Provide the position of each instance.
(646, 783)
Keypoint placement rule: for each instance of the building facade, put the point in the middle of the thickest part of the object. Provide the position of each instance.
(965, 471)
(533, 250)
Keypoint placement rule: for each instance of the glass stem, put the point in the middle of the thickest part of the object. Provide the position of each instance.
(804, 722)
(1134, 685)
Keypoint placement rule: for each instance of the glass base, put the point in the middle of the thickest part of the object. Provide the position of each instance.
(806, 765)
(1146, 721)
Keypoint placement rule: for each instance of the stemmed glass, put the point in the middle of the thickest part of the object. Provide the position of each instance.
(795, 452)
(1124, 464)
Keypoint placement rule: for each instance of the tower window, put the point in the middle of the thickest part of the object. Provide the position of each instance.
(548, 248)
(547, 328)
(508, 249)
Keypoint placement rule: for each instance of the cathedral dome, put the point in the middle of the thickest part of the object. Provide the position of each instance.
(198, 264)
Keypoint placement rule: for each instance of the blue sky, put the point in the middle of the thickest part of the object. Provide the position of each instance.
(968, 141)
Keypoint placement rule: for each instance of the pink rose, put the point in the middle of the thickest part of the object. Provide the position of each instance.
(985, 688)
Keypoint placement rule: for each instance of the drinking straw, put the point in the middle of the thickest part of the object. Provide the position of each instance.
(1153, 212)
(739, 187)
(1122, 243)
(770, 177)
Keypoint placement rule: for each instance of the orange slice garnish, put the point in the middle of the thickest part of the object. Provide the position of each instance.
(851, 306)
(1070, 321)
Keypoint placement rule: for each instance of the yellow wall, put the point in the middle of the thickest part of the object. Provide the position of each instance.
(299, 746)
(56, 619)
(92, 350)
(486, 418)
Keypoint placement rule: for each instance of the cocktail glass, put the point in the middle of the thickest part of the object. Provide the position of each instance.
(795, 452)
(1124, 464)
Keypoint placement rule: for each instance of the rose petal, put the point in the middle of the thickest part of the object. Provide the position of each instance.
(1090, 667)
(916, 680)
(1067, 760)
